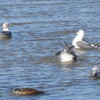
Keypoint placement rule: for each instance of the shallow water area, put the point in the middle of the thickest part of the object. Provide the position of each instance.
(39, 30)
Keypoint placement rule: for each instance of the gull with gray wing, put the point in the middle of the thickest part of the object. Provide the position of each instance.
(79, 43)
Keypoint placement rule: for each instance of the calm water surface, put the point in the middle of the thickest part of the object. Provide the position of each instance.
(40, 27)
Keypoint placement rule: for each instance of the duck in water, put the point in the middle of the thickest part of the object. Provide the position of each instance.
(95, 72)
(67, 55)
(5, 34)
(26, 91)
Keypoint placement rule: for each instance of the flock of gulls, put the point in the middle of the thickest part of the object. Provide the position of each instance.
(64, 56)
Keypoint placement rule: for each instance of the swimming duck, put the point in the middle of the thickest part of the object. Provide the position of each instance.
(67, 55)
(95, 72)
(5, 34)
(26, 91)
(78, 42)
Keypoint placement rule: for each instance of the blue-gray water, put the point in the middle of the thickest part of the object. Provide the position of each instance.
(39, 29)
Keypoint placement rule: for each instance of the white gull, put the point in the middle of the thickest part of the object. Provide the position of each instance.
(78, 42)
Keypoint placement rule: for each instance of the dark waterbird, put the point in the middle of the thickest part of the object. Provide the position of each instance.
(5, 34)
(67, 55)
(26, 91)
